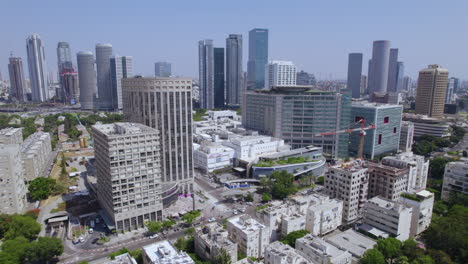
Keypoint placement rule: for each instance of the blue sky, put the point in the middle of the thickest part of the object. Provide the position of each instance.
(316, 35)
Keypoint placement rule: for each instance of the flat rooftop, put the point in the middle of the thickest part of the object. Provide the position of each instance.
(352, 241)
(369, 105)
(351, 166)
(164, 253)
(246, 223)
(292, 152)
(123, 129)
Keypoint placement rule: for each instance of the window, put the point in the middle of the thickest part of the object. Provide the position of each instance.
(394, 130)
(380, 139)
(386, 119)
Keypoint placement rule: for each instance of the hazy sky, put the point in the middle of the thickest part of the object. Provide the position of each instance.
(316, 35)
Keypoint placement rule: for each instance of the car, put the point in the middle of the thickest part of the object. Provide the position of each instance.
(249, 203)
(81, 239)
(154, 236)
(242, 210)
(212, 219)
(91, 231)
(235, 211)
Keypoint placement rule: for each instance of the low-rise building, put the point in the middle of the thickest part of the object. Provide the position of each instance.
(210, 239)
(279, 253)
(424, 125)
(36, 151)
(387, 181)
(324, 215)
(422, 203)
(210, 156)
(319, 251)
(417, 166)
(223, 114)
(164, 253)
(406, 136)
(455, 179)
(249, 148)
(292, 222)
(388, 216)
(353, 242)
(120, 259)
(251, 236)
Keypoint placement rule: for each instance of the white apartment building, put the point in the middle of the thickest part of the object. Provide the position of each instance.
(292, 222)
(251, 236)
(11, 135)
(455, 179)
(248, 148)
(418, 168)
(387, 181)
(128, 173)
(318, 251)
(352, 241)
(422, 203)
(272, 217)
(280, 73)
(388, 216)
(222, 115)
(279, 253)
(406, 136)
(164, 253)
(348, 182)
(324, 215)
(36, 151)
(210, 156)
(210, 239)
(12, 186)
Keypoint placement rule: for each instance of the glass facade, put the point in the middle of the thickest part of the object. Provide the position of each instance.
(258, 58)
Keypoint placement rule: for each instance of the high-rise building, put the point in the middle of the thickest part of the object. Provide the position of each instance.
(400, 76)
(70, 89)
(378, 67)
(165, 104)
(128, 173)
(162, 69)
(363, 86)
(417, 166)
(17, 85)
(68, 77)
(64, 60)
(387, 181)
(290, 113)
(451, 90)
(354, 74)
(406, 136)
(234, 70)
(430, 94)
(258, 58)
(104, 85)
(37, 68)
(305, 78)
(455, 179)
(392, 82)
(456, 83)
(121, 67)
(218, 57)
(206, 73)
(87, 79)
(280, 73)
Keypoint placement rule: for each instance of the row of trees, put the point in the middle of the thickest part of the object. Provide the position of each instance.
(280, 184)
(426, 144)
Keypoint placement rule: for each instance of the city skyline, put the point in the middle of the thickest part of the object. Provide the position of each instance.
(327, 44)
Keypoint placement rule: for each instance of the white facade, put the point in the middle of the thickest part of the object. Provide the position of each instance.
(422, 203)
(279, 253)
(248, 148)
(164, 253)
(324, 216)
(292, 222)
(210, 156)
(418, 168)
(388, 216)
(121, 67)
(424, 125)
(36, 151)
(318, 251)
(11, 135)
(455, 180)
(348, 182)
(224, 114)
(352, 241)
(406, 136)
(251, 236)
(37, 68)
(280, 73)
(210, 239)
(12, 187)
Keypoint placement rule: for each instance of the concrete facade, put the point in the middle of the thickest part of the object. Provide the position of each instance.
(378, 68)
(86, 79)
(120, 67)
(324, 215)
(37, 68)
(417, 166)
(36, 151)
(164, 252)
(279, 253)
(251, 236)
(422, 203)
(406, 136)
(103, 73)
(234, 69)
(431, 91)
(387, 181)
(211, 156)
(13, 189)
(317, 250)
(210, 239)
(17, 81)
(280, 73)
(455, 180)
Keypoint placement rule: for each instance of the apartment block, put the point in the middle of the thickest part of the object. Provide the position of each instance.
(128, 173)
(279, 253)
(292, 222)
(387, 181)
(11, 135)
(348, 182)
(210, 239)
(251, 236)
(12, 187)
(164, 252)
(317, 250)
(455, 179)
(36, 152)
(324, 215)
(406, 136)
(418, 168)
(422, 203)
(280, 73)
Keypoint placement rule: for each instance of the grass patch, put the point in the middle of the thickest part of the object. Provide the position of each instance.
(60, 207)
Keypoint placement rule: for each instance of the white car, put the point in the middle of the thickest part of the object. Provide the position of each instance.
(81, 239)
(212, 219)
(90, 231)
(242, 210)
(249, 203)
(154, 236)
(235, 212)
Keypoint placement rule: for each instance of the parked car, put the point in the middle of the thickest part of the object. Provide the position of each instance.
(212, 219)
(81, 239)
(91, 231)
(154, 236)
(235, 211)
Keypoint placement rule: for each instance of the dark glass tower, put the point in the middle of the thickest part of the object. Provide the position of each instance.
(354, 74)
(258, 58)
(218, 77)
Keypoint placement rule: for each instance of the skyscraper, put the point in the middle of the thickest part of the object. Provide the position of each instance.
(305, 78)
(64, 60)
(121, 67)
(280, 73)
(17, 85)
(206, 73)
(37, 68)
(354, 74)
(70, 88)
(87, 79)
(162, 69)
(451, 90)
(400, 76)
(258, 58)
(392, 81)
(219, 97)
(233, 69)
(378, 71)
(165, 104)
(430, 94)
(104, 86)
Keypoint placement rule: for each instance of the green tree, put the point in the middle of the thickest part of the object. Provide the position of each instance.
(40, 188)
(168, 223)
(191, 216)
(283, 184)
(266, 184)
(439, 256)
(22, 226)
(321, 180)
(402, 260)
(15, 248)
(118, 252)
(249, 198)
(372, 256)
(423, 147)
(390, 248)
(410, 249)
(190, 231)
(266, 197)
(43, 250)
(423, 259)
(154, 226)
(437, 167)
(290, 239)
(223, 257)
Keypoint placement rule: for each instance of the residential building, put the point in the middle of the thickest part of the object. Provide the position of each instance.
(290, 113)
(120, 67)
(363, 88)
(424, 125)
(378, 67)
(64, 59)
(280, 73)
(317, 250)
(417, 167)
(273, 215)
(13, 189)
(103, 73)
(234, 69)
(292, 222)
(392, 82)
(324, 215)
(222, 115)
(11, 135)
(162, 69)
(36, 153)
(279, 253)
(219, 87)
(354, 74)
(348, 182)
(400, 77)
(251, 236)
(406, 136)
(305, 78)
(17, 85)
(352, 241)
(430, 95)
(165, 104)
(37, 68)
(455, 179)
(452, 86)
(164, 252)
(128, 161)
(86, 79)
(389, 216)
(258, 58)
(211, 239)
(210, 156)
(125, 258)
(206, 73)
(385, 138)
(387, 181)
(422, 203)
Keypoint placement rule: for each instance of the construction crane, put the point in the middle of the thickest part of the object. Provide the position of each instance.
(362, 134)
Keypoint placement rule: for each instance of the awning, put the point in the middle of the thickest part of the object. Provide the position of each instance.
(239, 169)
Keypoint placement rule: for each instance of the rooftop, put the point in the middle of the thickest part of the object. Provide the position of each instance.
(320, 246)
(352, 166)
(292, 152)
(352, 241)
(164, 253)
(363, 104)
(246, 223)
(387, 204)
(123, 129)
